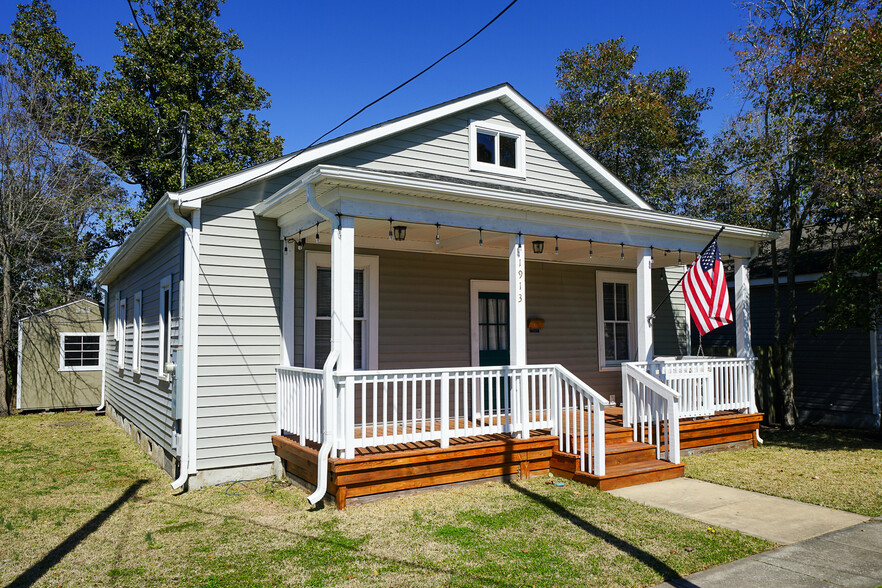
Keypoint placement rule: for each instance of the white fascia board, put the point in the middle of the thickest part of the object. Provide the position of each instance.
(384, 182)
(505, 93)
(130, 249)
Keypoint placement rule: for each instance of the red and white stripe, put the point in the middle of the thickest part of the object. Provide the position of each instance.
(707, 296)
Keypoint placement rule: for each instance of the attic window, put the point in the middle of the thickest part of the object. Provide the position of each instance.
(496, 149)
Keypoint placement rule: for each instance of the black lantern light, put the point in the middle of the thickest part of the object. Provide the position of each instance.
(400, 232)
(538, 247)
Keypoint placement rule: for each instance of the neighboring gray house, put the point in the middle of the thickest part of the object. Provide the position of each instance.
(450, 226)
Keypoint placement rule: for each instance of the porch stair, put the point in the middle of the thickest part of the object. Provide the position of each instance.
(628, 462)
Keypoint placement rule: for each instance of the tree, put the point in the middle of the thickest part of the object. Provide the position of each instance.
(785, 148)
(56, 201)
(643, 127)
(182, 62)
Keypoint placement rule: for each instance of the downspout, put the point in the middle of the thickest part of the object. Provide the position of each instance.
(100, 407)
(188, 301)
(329, 433)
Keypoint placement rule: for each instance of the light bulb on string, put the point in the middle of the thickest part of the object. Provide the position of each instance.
(480, 237)
(590, 248)
(556, 250)
(316, 232)
(623, 252)
(390, 229)
(437, 233)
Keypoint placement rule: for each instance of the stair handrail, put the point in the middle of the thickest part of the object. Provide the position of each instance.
(672, 417)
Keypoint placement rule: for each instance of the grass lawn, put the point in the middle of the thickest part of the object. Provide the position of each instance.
(81, 505)
(838, 468)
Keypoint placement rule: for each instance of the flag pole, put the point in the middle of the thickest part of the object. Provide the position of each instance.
(671, 291)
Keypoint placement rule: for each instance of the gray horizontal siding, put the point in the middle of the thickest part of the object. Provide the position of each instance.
(143, 398)
(239, 331)
(442, 147)
(670, 328)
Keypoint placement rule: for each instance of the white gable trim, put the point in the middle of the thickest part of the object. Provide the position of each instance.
(505, 93)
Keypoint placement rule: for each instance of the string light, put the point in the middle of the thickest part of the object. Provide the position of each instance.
(390, 228)
(316, 232)
(480, 237)
(556, 250)
(679, 257)
(590, 248)
(651, 253)
(623, 252)
(437, 233)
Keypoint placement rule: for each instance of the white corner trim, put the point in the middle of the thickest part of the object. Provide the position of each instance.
(619, 278)
(288, 289)
(85, 368)
(371, 266)
(475, 287)
(122, 314)
(18, 367)
(497, 129)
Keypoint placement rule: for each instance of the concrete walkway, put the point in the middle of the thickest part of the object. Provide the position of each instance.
(822, 546)
(776, 519)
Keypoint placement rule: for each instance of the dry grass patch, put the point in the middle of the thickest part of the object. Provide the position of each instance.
(837, 468)
(81, 505)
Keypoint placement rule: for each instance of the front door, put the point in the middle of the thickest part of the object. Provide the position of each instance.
(493, 344)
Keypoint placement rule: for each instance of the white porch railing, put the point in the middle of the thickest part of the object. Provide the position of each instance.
(382, 407)
(652, 409)
(706, 384)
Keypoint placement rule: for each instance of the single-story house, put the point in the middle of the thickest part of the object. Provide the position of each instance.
(835, 371)
(61, 357)
(465, 276)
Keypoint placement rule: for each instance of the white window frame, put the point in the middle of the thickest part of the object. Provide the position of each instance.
(370, 264)
(137, 311)
(164, 327)
(520, 169)
(116, 321)
(616, 278)
(82, 368)
(121, 347)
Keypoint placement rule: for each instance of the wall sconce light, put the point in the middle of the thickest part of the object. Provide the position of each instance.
(538, 247)
(535, 324)
(400, 232)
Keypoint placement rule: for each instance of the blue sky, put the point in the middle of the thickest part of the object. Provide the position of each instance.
(322, 61)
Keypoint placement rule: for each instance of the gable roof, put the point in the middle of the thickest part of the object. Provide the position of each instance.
(504, 93)
(54, 308)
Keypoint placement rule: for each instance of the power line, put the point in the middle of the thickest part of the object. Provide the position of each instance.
(291, 157)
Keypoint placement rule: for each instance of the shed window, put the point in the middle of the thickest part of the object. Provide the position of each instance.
(80, 351)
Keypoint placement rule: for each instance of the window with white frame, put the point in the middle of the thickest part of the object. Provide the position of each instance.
(116, 320)
(317, 320)
(615, 316)
(496, 148)
(80, 352)
(136, 333)
(121, 346)
(165, 301)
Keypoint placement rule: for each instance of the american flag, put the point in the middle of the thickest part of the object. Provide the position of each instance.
(707, 294)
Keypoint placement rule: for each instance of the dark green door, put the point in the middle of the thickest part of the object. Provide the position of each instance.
(493, 342)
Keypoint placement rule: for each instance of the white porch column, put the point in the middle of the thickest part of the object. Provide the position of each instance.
(742, 325)
(517, 325)
(287, 355)
(644, 307)
(343, 316)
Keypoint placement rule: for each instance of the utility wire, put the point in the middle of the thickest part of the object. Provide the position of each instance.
(291, 157)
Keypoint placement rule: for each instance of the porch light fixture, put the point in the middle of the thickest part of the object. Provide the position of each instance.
(538, 247)
(437, 233)
(480, 237)
(390, 229)
(556, 249)
(400, 232)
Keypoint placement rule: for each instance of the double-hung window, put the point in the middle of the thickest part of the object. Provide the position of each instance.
(615, 312)
(317, 321)
(165, 300)
(80, 352)
(497, 149)
(136, 332)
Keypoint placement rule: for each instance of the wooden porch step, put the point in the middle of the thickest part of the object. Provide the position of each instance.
(632, 474)
(629, 452)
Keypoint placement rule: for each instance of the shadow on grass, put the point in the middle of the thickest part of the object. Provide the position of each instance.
(30, 576)
(822, 439)
(644, 557)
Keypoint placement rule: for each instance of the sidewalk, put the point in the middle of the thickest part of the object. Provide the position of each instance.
(821, 546)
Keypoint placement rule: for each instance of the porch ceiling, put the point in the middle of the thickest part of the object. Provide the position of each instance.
(419, 202)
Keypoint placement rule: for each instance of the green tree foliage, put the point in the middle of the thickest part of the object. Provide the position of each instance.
(800, 67)
(182, 62)
(642, 127)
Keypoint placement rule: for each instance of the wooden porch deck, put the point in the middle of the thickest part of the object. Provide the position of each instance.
(405, 467)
